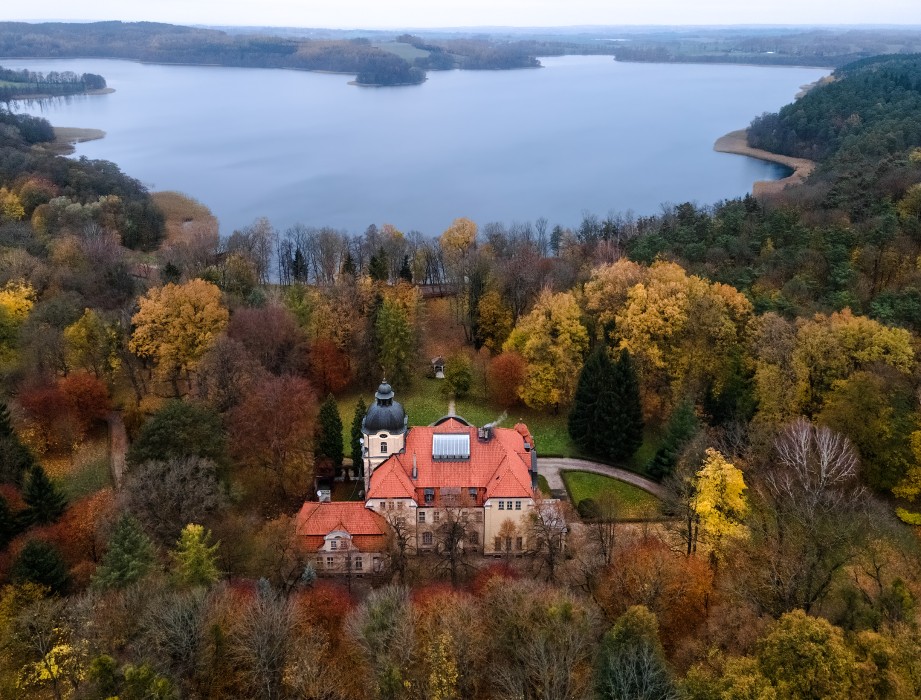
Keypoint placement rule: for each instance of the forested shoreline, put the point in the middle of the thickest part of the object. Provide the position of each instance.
(758, 358)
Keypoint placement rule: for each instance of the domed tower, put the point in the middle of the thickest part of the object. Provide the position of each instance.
(384, 429)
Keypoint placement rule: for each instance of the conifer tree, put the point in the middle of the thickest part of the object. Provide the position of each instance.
(606, 418)
(8, 525)
(358, 464)
(45, 501)
(40, 563)
(329, 442)
(195, 558)
(682, 426)
(15, 458)
(622, 405)
(583, 418)
(131, 556)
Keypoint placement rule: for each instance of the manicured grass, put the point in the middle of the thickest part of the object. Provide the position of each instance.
(543, 485)
(635, 503)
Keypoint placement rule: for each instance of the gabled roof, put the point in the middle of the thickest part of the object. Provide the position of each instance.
(319, 519)
(499, 465)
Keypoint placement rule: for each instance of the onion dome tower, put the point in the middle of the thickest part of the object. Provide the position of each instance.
(383, 429)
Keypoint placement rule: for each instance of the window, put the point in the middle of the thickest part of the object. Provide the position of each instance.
(473, 538)
(421, 516)
(358, 564)
(501, 505)
(389, 505)
(319, 562)
(508, 544)
(436, 516)
(472, 494)
(517, 505)
(429, 495)
(400, 505)
(508, 505)
(383, 448)
(333, 544)
(478, 516)
(519, 542)
(497, 544)
(382, 505)
(330, 562)
(426, 538)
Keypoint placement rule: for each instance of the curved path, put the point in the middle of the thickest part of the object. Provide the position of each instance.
(551, 467)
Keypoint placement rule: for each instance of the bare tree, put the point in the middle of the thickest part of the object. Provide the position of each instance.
(452, 541)
(260, 641)
(547, 536)
(400, 542)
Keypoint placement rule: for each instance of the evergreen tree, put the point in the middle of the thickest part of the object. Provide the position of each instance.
(358, 464)
(130, 557)
(195, 558)
(348, 265)
(329, 441)
(180, 429)
(406, 272)
(583, 418)
(40, 563)
(377, 267)
(625, 427)
(15, 458)
(45, 501)
(682, 426)
(606, 419)
(8, 525)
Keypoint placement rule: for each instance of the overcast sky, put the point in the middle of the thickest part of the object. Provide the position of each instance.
(372, 14)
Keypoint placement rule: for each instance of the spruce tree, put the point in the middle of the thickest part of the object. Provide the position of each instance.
(45, 502)
(606, 419)
(130, 557)
(15, 458)
(329, 442)
(682, 426)
(620, 406)
(8, 525)
(40, 563)
(584, 416)
(358, 463)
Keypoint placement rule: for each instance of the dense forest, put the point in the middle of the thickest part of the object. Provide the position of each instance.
(170, 394)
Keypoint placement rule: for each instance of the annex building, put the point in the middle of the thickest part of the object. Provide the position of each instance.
(433, 482)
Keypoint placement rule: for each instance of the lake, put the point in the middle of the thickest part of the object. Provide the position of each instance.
(581, 134)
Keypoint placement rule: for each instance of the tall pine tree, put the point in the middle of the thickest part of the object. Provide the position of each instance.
(682, 426)
(40, 563)
(624, 434)
(45, 502)
(130, 557)
(606, 419)
(15, 458)
(329, 441)
(358, 463)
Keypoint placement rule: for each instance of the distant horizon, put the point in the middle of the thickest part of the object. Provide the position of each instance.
(469, 14)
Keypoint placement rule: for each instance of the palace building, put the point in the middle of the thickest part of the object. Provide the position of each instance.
(434, 481)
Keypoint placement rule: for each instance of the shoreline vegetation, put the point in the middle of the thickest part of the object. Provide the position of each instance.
(66, 138)
(736, 143)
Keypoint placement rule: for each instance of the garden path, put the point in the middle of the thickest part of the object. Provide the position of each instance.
(551, 467)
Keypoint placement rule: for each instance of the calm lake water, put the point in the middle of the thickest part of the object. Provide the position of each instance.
(580, 134)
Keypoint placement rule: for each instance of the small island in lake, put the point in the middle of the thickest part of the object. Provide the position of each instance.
(25, 84)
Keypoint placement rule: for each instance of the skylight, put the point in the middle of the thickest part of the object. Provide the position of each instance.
(450, 446)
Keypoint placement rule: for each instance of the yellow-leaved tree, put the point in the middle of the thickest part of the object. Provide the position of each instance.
(11, 208)
(719, 501)
(799, 365)
(175, 326)
(92, 344)
(16, 301)
(686, 334)
(552, 340)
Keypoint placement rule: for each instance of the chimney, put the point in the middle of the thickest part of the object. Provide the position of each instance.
(415, 468)
(485, 433)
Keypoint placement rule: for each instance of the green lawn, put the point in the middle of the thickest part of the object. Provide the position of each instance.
(543, 485)
(407, 52)
(425, 403)
(635, 503)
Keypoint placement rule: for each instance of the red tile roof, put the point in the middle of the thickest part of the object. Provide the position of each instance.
(500, 466)
(316, 520)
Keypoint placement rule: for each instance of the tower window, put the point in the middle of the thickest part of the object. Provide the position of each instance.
(383, 448)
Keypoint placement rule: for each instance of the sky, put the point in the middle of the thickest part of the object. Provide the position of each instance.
(373, 14)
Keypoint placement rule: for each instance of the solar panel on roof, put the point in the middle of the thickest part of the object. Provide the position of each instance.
(450, 446)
